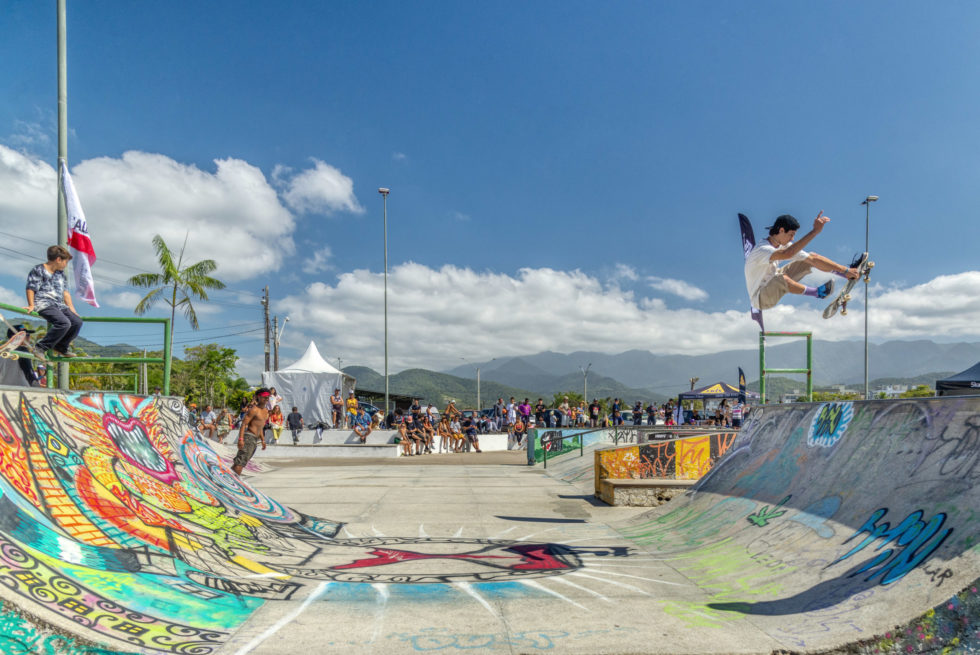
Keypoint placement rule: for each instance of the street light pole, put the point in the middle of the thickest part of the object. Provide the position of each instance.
(384, 194)
(278, 335)
(478, 404)
(585, 381)
(867, 232)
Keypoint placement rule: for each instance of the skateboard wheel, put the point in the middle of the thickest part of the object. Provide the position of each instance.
(5, 354)
(846, 298)
(14, 357)
(871, 264)
(843, 312)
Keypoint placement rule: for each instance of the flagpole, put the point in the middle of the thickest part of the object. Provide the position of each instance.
(62, 150)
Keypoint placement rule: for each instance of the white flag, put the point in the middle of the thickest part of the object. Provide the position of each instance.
(79, 243)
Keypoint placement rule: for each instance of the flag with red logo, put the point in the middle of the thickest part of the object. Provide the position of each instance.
(79, 243)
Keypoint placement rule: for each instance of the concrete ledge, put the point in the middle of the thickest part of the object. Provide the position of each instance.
(649, 492)
(329, 450)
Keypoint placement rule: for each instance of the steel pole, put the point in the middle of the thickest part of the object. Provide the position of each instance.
(867, 232)
(385, 196)
(62, 149)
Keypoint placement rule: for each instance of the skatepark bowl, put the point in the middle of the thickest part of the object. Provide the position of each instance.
(824, 527)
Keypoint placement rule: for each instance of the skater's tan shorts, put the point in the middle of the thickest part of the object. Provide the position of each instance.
(773, 290)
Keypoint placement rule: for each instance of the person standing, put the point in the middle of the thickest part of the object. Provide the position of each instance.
(47, 294)
(252, 431)
(295, 424)
(352, 406)
(594, 409)
(337, 409)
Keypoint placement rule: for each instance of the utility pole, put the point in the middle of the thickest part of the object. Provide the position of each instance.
(265, 306)
(275, 344)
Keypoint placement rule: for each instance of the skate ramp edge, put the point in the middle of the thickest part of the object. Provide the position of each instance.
(828, 524)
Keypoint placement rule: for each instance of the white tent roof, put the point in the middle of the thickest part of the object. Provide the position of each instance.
(311, 362)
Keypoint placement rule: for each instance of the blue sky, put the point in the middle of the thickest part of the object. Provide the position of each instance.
(564, 175)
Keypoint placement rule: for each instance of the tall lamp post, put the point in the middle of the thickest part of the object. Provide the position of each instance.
(478, 405)
(384, 194)
(867, 231)
(585, 381)
(278, 335)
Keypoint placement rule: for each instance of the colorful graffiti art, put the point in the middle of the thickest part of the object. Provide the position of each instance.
(118, 517)
(689, 458)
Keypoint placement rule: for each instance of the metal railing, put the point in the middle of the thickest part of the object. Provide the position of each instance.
(63, 379)
(558, 437)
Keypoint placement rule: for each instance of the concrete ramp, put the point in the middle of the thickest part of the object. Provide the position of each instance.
(833, 523)
(824, 526)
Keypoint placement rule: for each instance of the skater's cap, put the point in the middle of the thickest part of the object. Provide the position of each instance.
(787, 222)
(14, 329)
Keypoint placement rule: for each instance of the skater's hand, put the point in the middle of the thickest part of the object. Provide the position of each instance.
(852, 274)
(263, 445)
(820, 221)
(241, 443)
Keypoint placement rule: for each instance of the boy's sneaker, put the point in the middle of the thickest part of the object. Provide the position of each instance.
(825, 289)
(39, 354)
(68, 354)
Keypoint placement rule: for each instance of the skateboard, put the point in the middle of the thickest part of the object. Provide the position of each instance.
(9, 347)
(864, 266)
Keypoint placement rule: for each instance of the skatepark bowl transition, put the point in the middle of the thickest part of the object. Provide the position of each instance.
(834, 527)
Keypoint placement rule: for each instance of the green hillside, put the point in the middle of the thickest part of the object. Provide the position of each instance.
(436, 388)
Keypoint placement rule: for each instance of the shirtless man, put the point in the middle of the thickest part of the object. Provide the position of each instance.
(252, 430)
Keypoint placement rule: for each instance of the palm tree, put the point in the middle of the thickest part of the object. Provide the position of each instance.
(192, 280)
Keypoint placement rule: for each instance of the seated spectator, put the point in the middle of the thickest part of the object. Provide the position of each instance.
(445, 435)
(362, 424)
(469, 429)
(457, 435)
(224, 424)
(276, 420)
(207, 424)
(518, 432)
(428, 433)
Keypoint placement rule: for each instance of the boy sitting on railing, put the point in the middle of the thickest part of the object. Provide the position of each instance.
(47, 294)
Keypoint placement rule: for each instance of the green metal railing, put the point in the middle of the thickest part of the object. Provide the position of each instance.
(165, 360)
(763, 371)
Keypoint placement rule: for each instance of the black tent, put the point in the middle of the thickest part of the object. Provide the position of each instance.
(966, 383)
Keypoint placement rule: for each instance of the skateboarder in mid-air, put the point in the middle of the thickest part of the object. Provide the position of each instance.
(775, 266)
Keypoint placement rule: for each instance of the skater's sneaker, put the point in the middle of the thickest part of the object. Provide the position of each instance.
(825, 289)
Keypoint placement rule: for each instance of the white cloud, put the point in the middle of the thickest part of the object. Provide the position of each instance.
(319, 262)
(437, 316)
(399, 156)
(677, 288)
(459, 216)
(624, 272)
(232, 215)
(320, 190)
(12, 297)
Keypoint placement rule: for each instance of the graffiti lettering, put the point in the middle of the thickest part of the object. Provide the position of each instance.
(914, 541)
(938, 575)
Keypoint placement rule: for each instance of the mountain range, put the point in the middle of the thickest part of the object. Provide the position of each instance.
(834, 362)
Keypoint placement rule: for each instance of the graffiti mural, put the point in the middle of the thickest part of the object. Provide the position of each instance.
(688, 458)
(118, 517)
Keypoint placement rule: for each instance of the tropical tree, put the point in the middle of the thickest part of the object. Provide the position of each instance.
(175, 284)
(212, 370)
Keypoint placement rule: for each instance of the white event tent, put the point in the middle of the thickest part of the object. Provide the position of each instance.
(307, 385)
